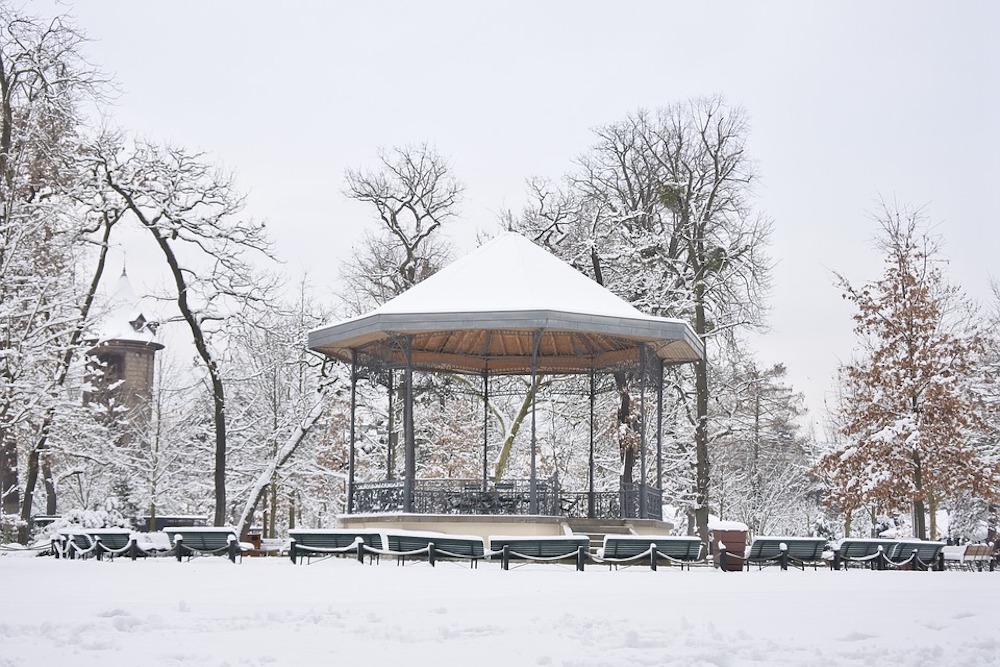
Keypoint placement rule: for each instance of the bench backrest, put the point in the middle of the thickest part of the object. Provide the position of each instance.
(541, 547)
(202, 540)
(926, 550)
(978, 552)
(860, 548)
(629, 546)
(469, 547)
(113, 539)
(110, 538)
(81, 540)
(335, 538)
(800, 548)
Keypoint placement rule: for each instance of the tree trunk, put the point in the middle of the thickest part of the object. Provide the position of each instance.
(41, 445)
(219, 478)
(9, 479)
(50, 487)
(628, 435)
(272, 515)
(508, 442)
(932, 506)
(30, 481)
(702, 466)
(919, 507)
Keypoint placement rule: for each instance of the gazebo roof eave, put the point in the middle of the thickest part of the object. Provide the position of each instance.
(672, 340)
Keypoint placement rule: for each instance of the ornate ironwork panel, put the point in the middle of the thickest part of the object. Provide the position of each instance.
(375, 497)
(511, 497)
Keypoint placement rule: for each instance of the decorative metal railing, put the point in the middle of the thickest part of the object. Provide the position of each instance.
(467, 496)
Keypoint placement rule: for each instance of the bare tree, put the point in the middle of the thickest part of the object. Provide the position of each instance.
(45, 239)
(282, 393)
(761, 462)
(660, 211)
(414, 193)
(192, 212)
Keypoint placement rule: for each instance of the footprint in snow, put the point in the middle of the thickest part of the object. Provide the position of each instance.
(111, 613)
(855, 637)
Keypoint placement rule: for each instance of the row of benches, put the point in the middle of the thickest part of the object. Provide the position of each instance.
(183, 542)
(306, 544)
(871, 553)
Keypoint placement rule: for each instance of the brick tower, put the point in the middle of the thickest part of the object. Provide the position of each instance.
(122, 361)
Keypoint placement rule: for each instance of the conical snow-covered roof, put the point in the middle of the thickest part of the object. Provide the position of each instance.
(123, 318)
(492, 309)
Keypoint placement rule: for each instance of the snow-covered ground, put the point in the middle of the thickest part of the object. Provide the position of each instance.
(267, 611)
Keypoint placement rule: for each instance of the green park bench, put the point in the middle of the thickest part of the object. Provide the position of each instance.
(325, 543)
(545, 548)
(630, 549)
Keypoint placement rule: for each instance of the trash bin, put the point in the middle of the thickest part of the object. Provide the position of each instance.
(732, 534)
(254, 537)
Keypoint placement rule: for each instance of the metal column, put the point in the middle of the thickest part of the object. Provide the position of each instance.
(642, 433)
(350, 454)
(486, 420)
(591, 509)
(659, 428)
(410, 462)
(391, 436)
(533, 493)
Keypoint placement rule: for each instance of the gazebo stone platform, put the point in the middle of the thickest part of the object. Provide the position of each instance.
(490, 525)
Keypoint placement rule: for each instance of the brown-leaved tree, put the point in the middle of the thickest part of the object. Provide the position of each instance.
(909, 405)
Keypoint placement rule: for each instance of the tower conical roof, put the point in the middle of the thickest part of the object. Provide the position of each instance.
(123, 318)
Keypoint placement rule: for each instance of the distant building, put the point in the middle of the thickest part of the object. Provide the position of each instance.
(122, 360)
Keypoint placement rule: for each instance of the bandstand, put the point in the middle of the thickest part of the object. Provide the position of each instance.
(509, 308)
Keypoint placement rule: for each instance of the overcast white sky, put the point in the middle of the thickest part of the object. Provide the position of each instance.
(849, 102)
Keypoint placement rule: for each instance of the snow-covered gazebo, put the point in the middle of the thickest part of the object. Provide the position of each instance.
(509, 307)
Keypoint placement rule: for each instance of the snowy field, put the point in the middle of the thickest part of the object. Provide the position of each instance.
(267, 611)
